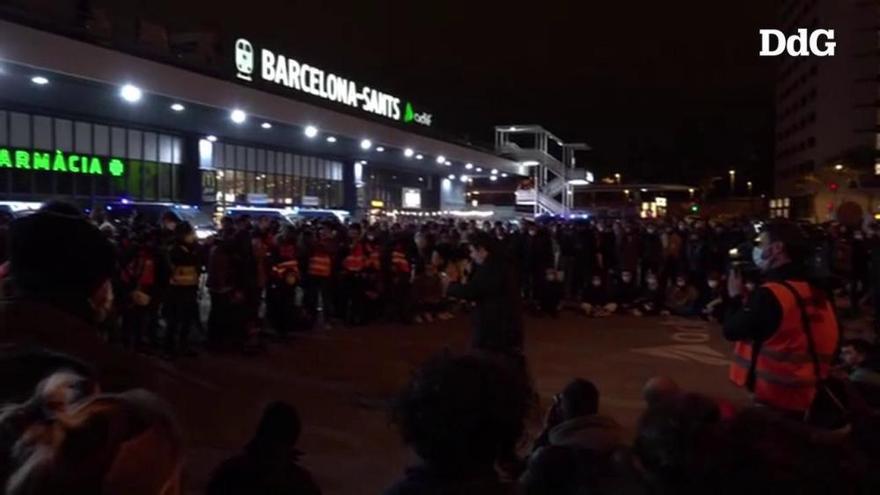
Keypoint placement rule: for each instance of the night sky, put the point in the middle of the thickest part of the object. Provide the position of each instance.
(661, 90)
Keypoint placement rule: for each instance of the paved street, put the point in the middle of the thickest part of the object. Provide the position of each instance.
(341, 380)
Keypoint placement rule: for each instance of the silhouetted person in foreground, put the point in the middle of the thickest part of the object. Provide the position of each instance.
(269, 462)
(461, 415)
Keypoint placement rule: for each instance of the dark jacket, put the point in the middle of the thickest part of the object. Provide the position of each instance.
(252, 473)
(497, 319)
(425, 481)
(758, 318)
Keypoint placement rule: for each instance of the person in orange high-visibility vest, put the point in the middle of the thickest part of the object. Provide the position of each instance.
(285, 277)
(777, 357)
(351, 284)
(318, 284)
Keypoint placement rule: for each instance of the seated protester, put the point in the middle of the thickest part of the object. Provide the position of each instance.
(652, 299)
(597, 300)
(461, 415)
(67, 438)
(269, 462)
(550, 296)
(862, 368)
(575, 452)
(682, 298)
(713, 300)
(625, 291)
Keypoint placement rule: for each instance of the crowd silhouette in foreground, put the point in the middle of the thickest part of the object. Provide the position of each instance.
(83, 414)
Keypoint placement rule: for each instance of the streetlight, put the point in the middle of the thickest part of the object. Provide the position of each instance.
(749, 185)
(691, 190)
(732, 181)
(617, 178)
(838, 167)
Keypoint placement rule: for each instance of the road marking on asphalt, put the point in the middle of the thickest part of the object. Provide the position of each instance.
(699, 353)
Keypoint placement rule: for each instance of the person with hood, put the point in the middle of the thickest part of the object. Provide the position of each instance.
(713, 298)
(181, 299)
(575, 452)
(269, 463)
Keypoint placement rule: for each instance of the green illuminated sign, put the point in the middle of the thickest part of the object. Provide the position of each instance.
(60, 162)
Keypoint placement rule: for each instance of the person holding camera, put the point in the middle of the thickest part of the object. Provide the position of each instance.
(786, 331)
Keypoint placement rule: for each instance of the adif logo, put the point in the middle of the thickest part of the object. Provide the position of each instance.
(244, 58)
(802, 44)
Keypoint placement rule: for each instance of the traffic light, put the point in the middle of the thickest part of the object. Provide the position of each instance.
(695, 208)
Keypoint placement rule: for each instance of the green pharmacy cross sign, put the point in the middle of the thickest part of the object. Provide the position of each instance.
(60, 162)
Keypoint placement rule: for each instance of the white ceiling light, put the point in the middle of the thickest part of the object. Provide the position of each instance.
(464, 178)
(266, 125)
(469, 166)
(311, 131)
(177, 107)
(493, 178)
(419, 157)
(408, 152)
(441, 159)
(479, 169)
(494, 171)
(380, 149)
(40, 80)
(212, 138)
(366, 144)
(238, 116)
(530, 163)
(451, 176)
(331, 139)
(579, 182)
(504, 175)
(131, 93)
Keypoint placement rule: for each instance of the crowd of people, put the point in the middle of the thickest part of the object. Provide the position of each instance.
(75, 290)
(259, 276)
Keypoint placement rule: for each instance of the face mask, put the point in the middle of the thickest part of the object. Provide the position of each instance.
(750, 286)
(758, 258)
(371, 237)
(858, 237)
(713, 284)
(680, 283)
(597, 282)
(652, 284)
(626, 279)
(650, 231)
(170, 225)
(533, 233)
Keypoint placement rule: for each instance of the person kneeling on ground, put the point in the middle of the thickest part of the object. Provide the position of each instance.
(625, 292)
(597, 301)
(269, 461)
(652, 298)
(681, 298)
(461, 415)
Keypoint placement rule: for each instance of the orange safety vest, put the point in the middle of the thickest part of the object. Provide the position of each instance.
(784, 374)
(374, 261)
(287, 270)
(319, 265)
(399, 262)
(355, 261)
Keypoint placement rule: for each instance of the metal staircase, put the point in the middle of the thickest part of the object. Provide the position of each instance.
(553, 194)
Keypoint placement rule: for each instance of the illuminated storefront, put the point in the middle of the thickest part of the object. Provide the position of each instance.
(95, 125)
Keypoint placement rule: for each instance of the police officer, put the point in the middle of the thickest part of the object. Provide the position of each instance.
(779, 357)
